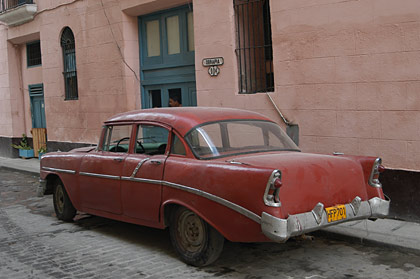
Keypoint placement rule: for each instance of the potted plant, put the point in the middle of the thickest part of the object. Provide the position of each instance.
(41, 151)
(25, 151)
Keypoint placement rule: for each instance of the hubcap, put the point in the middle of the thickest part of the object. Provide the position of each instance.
(59, 199)
(191, 231)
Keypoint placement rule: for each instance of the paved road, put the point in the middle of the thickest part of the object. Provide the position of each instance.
(34, 244)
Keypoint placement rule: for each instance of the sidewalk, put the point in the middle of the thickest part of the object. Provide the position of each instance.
(26, 165)
(384, 232)
(387, 232)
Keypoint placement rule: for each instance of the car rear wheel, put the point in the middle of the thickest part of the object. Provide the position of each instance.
(63, 207)
(195, 241)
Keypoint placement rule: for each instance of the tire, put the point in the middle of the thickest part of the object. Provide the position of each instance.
(63, 207)
(195, 241)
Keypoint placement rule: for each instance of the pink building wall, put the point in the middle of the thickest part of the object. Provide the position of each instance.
(105, 85)
(347, 72)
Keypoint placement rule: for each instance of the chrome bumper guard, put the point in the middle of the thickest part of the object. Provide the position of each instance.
(279, 230)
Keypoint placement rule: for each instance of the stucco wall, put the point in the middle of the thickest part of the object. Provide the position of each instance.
(106, 85)
(5, 110)
(347, 72)
(99, 70)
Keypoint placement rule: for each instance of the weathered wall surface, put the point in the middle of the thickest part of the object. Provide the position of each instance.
(347, 72)
(103, 34)
(5, 110)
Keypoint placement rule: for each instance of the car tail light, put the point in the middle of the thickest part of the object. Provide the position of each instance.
(277, 183)
(271, 194)
(374, 175)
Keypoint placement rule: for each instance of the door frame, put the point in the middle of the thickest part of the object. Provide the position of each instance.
(164, 71)
(37, 90)
(188, 93)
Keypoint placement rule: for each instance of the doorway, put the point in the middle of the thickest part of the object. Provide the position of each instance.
(36, 95)
(156, 96)
(167, 57)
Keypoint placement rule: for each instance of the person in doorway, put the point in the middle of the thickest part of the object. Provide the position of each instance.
(175, 101)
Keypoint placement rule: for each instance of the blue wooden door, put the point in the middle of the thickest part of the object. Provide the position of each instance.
(36, 95)
(167, 57)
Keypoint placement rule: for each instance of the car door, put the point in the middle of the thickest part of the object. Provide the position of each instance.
(141, 180)
(100, 171)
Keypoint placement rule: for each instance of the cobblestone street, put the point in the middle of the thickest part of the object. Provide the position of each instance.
(34, 244)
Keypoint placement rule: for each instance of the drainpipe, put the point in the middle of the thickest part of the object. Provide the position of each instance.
(292, 130)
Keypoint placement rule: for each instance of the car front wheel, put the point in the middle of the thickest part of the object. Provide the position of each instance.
(63, 207)
(195, 241)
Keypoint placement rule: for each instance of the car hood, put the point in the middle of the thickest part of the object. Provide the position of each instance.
(311, 178)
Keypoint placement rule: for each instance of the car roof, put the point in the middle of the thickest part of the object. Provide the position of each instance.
(184, 119)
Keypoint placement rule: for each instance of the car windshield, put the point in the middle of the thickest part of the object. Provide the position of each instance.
(226, 138)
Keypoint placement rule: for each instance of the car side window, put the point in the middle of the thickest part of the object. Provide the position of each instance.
(151, 140)
(117, 138)
(177, 146)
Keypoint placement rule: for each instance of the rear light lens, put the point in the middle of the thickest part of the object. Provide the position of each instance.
(277, 183)
(271, 194)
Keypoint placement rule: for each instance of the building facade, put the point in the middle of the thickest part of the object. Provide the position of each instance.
(343, 75)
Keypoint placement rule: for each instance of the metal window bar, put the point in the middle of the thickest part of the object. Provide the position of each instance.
(69, 63)
(70, 72)
(254, 49)
(33, 53)
(11, 4)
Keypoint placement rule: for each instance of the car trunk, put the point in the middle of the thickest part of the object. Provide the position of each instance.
(308, 179)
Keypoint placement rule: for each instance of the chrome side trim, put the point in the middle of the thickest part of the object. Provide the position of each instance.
(138, 167)
(143, 180)
(100, 175)
(251, 215)
(59, 170)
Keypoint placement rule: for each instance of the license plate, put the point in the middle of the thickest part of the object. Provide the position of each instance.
(336, 213)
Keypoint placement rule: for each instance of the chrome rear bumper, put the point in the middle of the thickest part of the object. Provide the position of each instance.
(279, 230)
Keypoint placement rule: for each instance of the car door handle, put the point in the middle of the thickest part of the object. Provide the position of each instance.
(118, 159)
(155, 162)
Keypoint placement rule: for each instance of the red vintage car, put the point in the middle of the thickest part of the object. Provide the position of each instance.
(210, 174)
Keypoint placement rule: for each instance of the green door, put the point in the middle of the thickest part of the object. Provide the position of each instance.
(167, 57)
(36, 94)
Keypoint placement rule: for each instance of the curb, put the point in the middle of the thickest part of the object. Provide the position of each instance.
(27, 171)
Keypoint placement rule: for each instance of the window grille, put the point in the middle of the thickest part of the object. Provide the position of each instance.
(69, 63)
(254, 46)
(33, 54)
(36, 89)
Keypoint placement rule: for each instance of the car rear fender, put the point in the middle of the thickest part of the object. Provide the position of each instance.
(368, 165)
(232, 225)
(169, 207)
